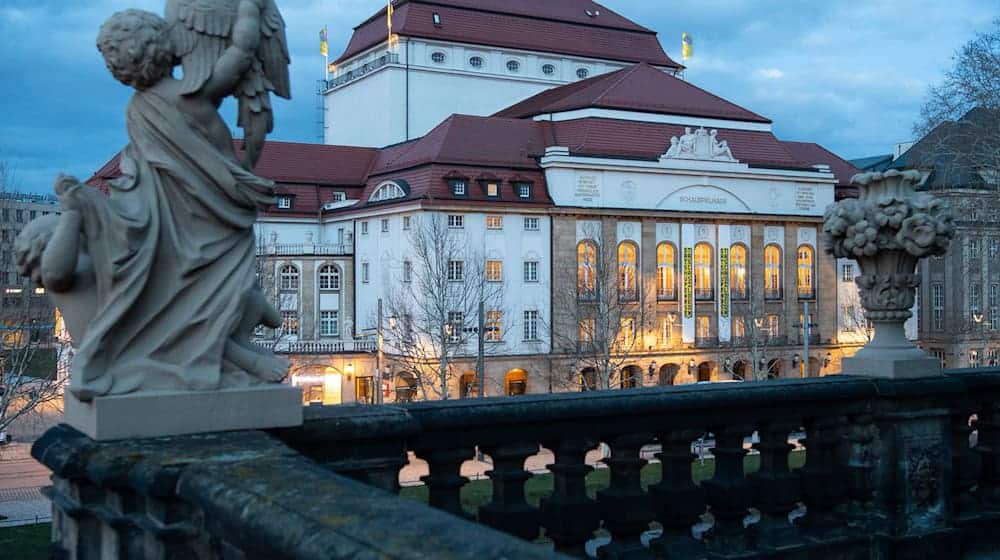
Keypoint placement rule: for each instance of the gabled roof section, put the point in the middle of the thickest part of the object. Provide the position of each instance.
(639, 88)
(289, 162)
(814, 154)
(556, 26)
(469, 140)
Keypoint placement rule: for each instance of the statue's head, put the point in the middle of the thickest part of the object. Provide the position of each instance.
(136, 48)
(31, 243)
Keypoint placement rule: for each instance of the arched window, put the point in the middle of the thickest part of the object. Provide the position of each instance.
(586, 269)
(329, 277)
(772, 272)
(628, 260)
(807, 264)
(738, 272)
(703, 286)
(666, 272)
(516, 382)
(289, 277)
(388, 190)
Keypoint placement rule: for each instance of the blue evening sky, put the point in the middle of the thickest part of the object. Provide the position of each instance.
(848, 74)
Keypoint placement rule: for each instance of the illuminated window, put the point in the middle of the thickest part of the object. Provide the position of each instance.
(773, 325)
(739, 327)
(494, 222)
(494, 271)
(328, 323)
(513, 66)
(666, 272)
(582, 73)
(548, 69)
(290, 323)
(329, 277)
(289, 277)
(703, 285)
(493, 189)
(626, 331)
(627, 269)
(807, 272)
(494, 323)
(738, 272)
(586, 269)
(438, 57)
(772, 272)
(587, 327)
(704, 327)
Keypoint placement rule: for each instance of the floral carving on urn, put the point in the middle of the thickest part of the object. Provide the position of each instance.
(887, 230)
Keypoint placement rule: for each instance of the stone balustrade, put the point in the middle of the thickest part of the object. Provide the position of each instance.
(893, 468)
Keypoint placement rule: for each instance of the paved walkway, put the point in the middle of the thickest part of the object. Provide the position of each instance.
(21, 479)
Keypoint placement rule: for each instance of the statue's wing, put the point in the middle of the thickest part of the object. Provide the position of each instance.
(273, 50)
(200, 31)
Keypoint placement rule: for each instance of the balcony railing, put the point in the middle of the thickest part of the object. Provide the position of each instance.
(317, 347)
(367, 68)
(892, 468)
(309, 249)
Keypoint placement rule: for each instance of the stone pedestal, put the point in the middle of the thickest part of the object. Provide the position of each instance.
(170, 413)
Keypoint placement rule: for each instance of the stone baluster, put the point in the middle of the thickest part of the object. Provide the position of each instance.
(861, 438)
(729, 492)
(988, 447)
(444, 481)
(677, 500)
(625, 507)
(964, 461)
(777, 489)
(823, 482)
(508, 511)
(569, 515)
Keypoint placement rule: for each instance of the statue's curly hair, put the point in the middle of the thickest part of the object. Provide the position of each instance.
(136, 47)
(30, 244)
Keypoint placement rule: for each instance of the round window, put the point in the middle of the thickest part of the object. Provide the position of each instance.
(582, 73)
(548, 69)
(513, 65)
(476, 62)
(438, 57)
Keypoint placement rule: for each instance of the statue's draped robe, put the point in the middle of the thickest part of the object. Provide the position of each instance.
(173, 252)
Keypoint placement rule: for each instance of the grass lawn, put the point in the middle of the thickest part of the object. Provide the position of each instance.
(479, 492)
(25, 542)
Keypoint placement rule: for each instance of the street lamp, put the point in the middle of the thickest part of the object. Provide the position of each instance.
(652, 370)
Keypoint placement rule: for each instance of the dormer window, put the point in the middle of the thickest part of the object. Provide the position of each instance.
(522, 189)
(284, 202)
(389, 190)
(437, 19)
(492, 189)
(458, 187)
(338, 197)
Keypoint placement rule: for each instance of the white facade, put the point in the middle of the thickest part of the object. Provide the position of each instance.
(406, 94)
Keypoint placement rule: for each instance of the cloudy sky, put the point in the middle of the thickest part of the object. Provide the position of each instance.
(849, 74)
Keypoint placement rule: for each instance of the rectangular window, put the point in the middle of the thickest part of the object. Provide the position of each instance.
(531, 224)
(364, 389)
(364, 273)
(994, 247)
(739, 327)
(941, 355)
(458, 188)
(33, 214)
(626, 331)
(587, 327)
(666, 331)
(339, 197)
(995, 306)
(704, 327)
(290, 323)
(494, 324)
(456, 271)
(773, 325)
(974, 298)
(19, 214)
(523, 190)
(455, 326)
(531, 325)
(406, 222)
(494, 222)
(531, 271)
(975, 358)
(456, 221)
(385, 225)
(407, 271)
(494, 271)
(284, 202)
(329, 325)
(974, 247)
(847, 272)
(493, 189)
(937, 307)
(364, 228)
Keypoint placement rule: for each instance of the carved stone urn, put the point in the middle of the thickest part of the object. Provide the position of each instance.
(887, 230)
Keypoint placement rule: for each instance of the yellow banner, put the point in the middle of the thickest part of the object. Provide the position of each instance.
(688, 264)
(724, 282)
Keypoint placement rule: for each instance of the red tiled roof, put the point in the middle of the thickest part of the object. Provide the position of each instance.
(814, 154)
(640, 88)
(469, 140)
(609, 137)
(557, 26)
(106, 173)
(430, 182)
(289, 162)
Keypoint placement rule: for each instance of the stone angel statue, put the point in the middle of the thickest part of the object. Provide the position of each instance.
(201, 30)
(157, 280)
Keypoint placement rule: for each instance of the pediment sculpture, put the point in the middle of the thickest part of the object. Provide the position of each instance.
(700, 144)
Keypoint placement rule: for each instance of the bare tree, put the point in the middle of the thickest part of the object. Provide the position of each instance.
(960, 120)
(757, 337)
(31, 381)
(854, 316)
(600, 308)
(443, 307)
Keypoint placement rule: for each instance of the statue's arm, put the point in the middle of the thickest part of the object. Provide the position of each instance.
(59, 258)
(236, 59)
